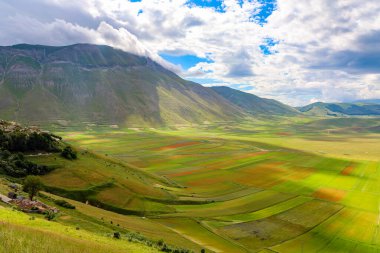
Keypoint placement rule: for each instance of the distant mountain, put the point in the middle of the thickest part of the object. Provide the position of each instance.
(341, 109)
(91, 83)
(368, 101)
(254, 104)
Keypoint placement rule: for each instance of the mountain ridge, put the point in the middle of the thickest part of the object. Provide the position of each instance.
(341, 109)
(368, 101)
(254, 104)
(97, 83)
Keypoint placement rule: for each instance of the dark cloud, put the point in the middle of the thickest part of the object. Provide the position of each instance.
(192, 21)
(370, 41)
(239, 64)
(365, 59)
(47, 12)
(240, 70)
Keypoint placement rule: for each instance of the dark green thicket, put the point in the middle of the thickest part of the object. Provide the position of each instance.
(69, 153)
(64, 204)
(16, 140)
(15, 165)
(22, 141)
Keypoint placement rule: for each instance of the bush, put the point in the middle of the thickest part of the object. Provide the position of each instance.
(116, 235)
(64, 204)
(50, 215)
(69, 153)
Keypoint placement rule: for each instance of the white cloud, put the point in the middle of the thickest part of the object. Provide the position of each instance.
(328, 50)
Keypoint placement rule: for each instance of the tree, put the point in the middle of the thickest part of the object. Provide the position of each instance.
(69, 153)
(32, 185)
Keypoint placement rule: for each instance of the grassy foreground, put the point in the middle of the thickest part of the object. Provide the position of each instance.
(19, 233)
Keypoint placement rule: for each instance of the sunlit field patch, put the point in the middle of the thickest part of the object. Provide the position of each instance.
(178, 145)
(348, 170)
(330, 194)
(249, 203)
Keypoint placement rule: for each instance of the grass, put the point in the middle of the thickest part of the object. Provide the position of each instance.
(96, 219)
(267, 212)
(246, 204)
(19, 233)
(282, 185)
(194, 231)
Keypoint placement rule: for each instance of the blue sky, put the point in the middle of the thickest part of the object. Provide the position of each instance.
(185, 61)
(216, 4)
(294, 51)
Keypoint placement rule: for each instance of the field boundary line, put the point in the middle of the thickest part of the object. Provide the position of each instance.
(310, 229)
(201, 243)
(210, 229)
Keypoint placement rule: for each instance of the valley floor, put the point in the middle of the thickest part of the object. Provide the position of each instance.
(266, 187)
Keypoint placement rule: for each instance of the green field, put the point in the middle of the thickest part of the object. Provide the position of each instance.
(281, 185)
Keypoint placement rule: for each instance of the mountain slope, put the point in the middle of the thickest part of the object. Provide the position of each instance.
(341, 109)
(368, 101)
(90, 83)
(254, 104)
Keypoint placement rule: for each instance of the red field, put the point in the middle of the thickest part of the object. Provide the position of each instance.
(348, 170)
(178, 145)
(329, 194)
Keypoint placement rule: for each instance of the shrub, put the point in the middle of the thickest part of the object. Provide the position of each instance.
(160, 242)
(64, 204)
(69, 153)
(116, 235)
(50, 215)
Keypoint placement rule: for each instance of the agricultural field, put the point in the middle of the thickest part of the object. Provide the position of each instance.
(281, 185)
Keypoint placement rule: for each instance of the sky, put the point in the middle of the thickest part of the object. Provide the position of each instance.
(295, 51)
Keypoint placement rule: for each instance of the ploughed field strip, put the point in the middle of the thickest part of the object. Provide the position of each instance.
(229, 195)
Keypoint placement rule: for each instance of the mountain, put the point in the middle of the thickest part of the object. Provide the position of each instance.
(100, 84)
(341, 109)
(254, 104)
(368, 101)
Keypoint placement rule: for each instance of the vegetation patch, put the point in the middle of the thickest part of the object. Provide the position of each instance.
(16, 165)
(178, 145)
(348, 170)
(330, 194)
(64, 204)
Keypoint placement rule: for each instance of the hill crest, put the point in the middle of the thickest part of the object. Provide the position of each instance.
(254, 104)
(100, 84)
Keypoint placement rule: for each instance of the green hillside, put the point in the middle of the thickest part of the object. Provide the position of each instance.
(341, 109)
(21, 234)
(100, 84)
(254, 104)
(93, 179)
